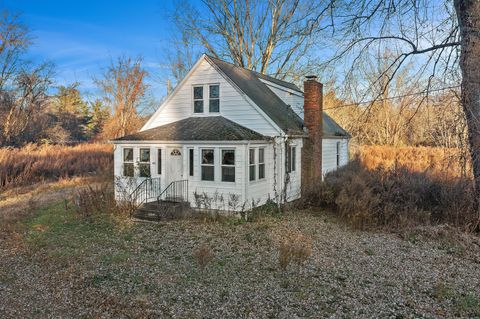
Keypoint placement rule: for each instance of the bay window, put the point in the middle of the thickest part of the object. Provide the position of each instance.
(261, 163)
(228, 165)
(208, 165)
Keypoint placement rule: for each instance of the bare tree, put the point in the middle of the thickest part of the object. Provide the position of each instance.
(436, 36)
(124, 88)
(265, 36)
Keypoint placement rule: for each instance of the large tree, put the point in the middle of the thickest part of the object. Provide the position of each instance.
(124, 88)
(266, 36)
(436, 36)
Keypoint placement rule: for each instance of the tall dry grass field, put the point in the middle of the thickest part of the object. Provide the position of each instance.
(447, 162)
(33, 163)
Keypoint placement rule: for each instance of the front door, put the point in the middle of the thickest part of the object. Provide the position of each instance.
(174, 165)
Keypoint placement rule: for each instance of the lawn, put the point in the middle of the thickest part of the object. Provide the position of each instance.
(66, 266)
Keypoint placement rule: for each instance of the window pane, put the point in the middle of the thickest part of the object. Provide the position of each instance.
(252, 156)
(198, 93)
(144, 155)
(228, 157)
(128, 169)
(261, 171)
(208, 173)
(144, 170)
(288, 159)
(214, 105)
(228, 173)
(294, 158)
(252, 172)
(214, 91)
(198, 106)
(190, 158)
(128, 154)
(261, 155)
(159, 164)
(207, 157)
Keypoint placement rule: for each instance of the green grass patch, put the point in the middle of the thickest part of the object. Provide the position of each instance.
(59, 232)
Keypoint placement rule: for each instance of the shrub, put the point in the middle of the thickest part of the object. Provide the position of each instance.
(203, 255)
(397, 194)
(295, 247)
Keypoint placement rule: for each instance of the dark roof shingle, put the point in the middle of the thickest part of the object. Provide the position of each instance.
(212, 128)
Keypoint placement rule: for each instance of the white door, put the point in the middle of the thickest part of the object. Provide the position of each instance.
(174, 165)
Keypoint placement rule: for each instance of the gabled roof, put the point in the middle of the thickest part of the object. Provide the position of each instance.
(249, 83)
(211, 128)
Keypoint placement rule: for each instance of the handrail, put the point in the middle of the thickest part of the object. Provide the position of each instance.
(176, 191)
(147, 189)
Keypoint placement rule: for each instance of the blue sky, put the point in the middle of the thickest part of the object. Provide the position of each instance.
(82, 37)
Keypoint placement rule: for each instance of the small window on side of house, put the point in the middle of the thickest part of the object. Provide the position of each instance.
(338, 154)
(208, 165)
(228, 165)
(291, 158)
(214, 98)
(128, 167)
(159, 161)
(190, 162)
(261, 163)
(251, 162)
(198, 99)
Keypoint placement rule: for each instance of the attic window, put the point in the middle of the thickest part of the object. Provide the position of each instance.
(214, 98)
(198, 99)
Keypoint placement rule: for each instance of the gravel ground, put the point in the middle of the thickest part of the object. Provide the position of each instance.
(86, 269)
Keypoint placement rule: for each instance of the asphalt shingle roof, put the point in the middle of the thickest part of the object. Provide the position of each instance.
(212, 128)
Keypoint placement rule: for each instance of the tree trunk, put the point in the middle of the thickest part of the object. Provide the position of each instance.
(468, 15)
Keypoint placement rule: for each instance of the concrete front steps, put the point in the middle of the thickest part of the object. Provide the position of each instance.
(162, 210)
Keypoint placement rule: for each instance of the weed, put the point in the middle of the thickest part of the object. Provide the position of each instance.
(203, 255)
(296, 248)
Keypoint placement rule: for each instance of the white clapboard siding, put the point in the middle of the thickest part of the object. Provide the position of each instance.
(233, 105)
(292, 98)
(329, 154)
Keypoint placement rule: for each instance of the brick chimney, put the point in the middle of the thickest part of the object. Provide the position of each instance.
(313, 119)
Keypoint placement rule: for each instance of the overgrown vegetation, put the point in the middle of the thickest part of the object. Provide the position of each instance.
(389, 188)
(34, 163)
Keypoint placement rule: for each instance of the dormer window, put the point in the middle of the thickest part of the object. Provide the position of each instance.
(214, 101)
(203, 94)
(198, 99)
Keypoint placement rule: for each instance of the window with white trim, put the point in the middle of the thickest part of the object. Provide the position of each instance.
(251, 162)
(261, 163)
(291, 159)
(338, 154)
(214, 98)
(228, 165)
(198, 99)
(190, 162)
(208, 165)
(128, 167)
(159, 161)
(144, 163)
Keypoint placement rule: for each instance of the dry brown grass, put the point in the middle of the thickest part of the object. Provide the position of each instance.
(432, 160)
(400, 188)
(295, 247)
(203, 255)
(32, 163)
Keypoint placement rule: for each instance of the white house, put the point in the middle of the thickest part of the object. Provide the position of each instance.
(231, 137)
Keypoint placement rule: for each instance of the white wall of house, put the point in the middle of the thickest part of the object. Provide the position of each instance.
(241, 194)
(329, 154)
(290, 97)
(233, 104)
